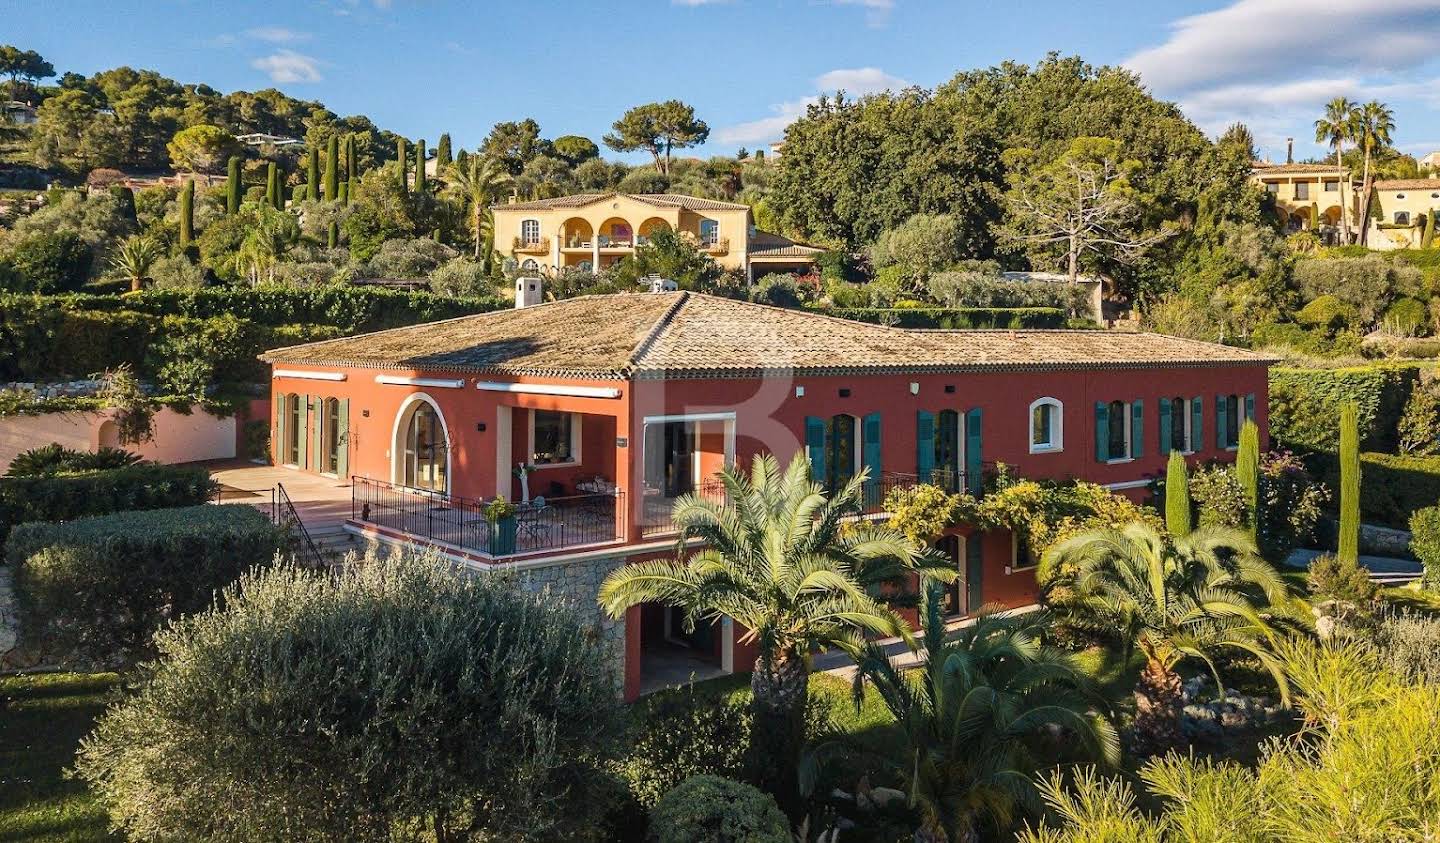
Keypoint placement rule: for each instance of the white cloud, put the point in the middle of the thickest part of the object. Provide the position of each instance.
(857, 81)
(276, 34)
(289, 66)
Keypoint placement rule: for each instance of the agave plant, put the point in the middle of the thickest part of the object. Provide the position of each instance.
(1173, 598)
(990, 707)
(780, 559)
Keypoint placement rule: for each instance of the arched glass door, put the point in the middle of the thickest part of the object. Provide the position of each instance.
(426, 452)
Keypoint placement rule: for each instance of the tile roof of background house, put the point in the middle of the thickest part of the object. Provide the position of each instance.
(1261, 168)
(690, 335)
(764, 244)
(1407, 184)
(659, 200)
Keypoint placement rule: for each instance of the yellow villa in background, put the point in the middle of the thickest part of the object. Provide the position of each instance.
(1310, 197)
(593, 231)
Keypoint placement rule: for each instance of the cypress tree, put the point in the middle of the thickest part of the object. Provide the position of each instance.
(332, 169)
(271, 185)
(344, 193)
(332, 235)
(126, 197)
(352, 170)
(1177, 496)
(312, 175)
(233, 188)
(1247, 471)
(460, 158)
(442, 153)
(404, 164)
(187, 213)
(1349, 544)
(420, 166)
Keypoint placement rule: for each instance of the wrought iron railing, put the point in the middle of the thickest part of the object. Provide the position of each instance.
(541, 525)
(284, 514)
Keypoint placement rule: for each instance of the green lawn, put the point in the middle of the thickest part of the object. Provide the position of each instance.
(42, 719)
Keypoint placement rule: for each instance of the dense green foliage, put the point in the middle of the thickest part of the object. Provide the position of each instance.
(1177, 496)
(1424, 527)
(1349, 539)
(46, 263)
(50, 460)
(102, 586)
(710, 809)
(1304, 404)
(956, 317)
(398, 698)
(61, 498)
(1286, 511)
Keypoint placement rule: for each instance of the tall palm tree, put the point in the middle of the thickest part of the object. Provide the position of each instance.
(135, 258)
(480, 180)
(783, 562)
(1374, 124)
(266, 244)
(991, 708)
(1174, 599)
(1335, 128)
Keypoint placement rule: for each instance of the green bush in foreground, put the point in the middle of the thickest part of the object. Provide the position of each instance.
(61, 498)
(397, 700)
(50, 460)
(709, 809)
(103, 586)
(1425, 541)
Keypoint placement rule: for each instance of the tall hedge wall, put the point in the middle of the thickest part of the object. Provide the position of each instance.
(144, 486)
(1391, 486)
(956, 317)
(1305, 404)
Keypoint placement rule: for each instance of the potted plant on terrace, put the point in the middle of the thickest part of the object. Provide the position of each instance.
(500, 515)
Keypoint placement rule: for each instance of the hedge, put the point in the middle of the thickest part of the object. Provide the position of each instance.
(144, 486)
(1305, 404)
(1392, 487)
(102, 586)
(955, 317)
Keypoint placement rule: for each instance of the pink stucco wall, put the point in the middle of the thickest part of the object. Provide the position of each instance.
(178, 437)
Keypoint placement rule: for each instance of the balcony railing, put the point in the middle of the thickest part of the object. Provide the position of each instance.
(532, 246)
(545, 524)
(717, 246)
(656, 517)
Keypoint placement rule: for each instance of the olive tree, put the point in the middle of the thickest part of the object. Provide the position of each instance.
(398, 699)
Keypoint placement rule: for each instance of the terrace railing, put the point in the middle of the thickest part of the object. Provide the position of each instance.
(545, 524)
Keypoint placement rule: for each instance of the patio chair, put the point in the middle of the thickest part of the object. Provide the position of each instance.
(530, 520)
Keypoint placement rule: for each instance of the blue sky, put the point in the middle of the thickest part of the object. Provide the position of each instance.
(422, 67)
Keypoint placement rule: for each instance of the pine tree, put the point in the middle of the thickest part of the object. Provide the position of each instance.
(1177, 496)
(271, 185)
(442, 153)
(187, 213)
(312, 175)
(404, 164)
(1349, 544)
(332, 236)
(332, 169)
(233, 188)
(1247, 471)
(420, 166)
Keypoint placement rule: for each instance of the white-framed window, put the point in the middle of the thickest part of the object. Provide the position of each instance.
(1047, 426)
(709, 232)
(1272, 188)
(1117, 434)
(554, 438)
(294, 431)
(529, 231)
(1332, 185)
(1181, 438)
(530, 265)
(1302, 190)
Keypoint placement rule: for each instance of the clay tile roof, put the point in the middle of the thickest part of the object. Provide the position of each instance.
(661, 200)
(1263, 169)
(763, 244)
(689, 335)
(1407, 184)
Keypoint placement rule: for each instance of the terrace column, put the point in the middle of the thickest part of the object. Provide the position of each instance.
(555, 260)
(595, 251)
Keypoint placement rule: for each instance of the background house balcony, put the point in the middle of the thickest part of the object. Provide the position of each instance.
(542, 525)
(718, 246)
(532, 247)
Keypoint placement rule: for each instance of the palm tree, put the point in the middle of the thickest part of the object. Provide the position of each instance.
(991, 708)
(480, 180)
(1176, 599)
(266, 244)
(1337, 126)
(1374, 124)
(786, 564)
(135, 258)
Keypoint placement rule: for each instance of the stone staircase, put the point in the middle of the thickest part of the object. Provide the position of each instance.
(334, 542)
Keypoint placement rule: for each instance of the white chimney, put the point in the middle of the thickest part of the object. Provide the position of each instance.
(527, 292)
(661, 285)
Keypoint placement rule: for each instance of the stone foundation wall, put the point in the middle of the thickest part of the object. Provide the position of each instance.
(576, 585)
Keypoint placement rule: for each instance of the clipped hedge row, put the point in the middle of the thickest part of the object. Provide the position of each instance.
(1392, 487)
(955, 317)
(102, 586)
(350, 309)
(144, 486)
(1305, 404)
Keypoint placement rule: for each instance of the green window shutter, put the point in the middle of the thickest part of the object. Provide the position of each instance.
(1220, 434)
(302, 437)
(277, 441)
(1165, 428)
(974, 574)
(1137, 428)
(815, 447)
(1102, 431)
(1250, 406)
(343, 433)
(924, 445)
(1197, 424)
(973, 459)
(870, 447)
(317, 408)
